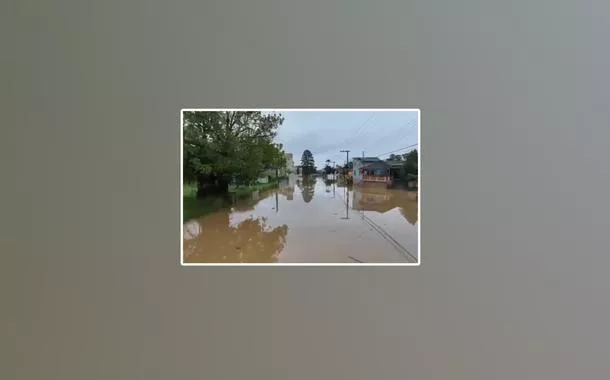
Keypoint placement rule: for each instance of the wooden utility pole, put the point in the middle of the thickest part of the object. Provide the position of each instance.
(347, 159)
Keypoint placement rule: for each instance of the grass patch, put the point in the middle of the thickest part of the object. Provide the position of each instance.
(244, 191)
(194, 208)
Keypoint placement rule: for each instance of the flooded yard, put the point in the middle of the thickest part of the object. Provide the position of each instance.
(309, 220)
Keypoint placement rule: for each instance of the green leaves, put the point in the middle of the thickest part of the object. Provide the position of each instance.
(307, 162)
(411, 165)
(229, 144)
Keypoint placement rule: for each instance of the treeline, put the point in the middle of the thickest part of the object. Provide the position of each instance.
(410, 169)
(307, 163)
(221, 147)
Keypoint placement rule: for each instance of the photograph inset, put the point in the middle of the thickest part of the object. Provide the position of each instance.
(300, 187)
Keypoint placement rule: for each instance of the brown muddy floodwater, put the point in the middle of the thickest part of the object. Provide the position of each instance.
(309, 221)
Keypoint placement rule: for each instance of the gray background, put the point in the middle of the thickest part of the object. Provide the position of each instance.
(514, 278)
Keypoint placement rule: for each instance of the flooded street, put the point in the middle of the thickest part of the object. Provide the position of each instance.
(309, 221)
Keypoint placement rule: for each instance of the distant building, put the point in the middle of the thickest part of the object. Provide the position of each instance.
(289, 163)
(371, 169)
(413, 183)
(396, 167)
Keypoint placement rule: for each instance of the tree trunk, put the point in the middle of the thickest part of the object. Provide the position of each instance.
(212, 185)
(202, 186)
(223, 187)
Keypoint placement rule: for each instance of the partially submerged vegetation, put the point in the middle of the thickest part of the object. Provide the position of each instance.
(221, 148)
(225, 155)
(194, 207)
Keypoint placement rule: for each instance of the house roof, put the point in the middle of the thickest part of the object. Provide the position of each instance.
(395, 163)
(368, 159)
(379, 164)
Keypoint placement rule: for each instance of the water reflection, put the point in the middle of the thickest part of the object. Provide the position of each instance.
(382, 200)
(286, 187)
(345, 220)
(308, 188)
(246, 204)
(346, 197)
(251, 240)
(191, 230)
(410, 214)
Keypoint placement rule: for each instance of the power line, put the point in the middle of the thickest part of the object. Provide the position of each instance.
(394, 131)
(398, 150)
(376, 141)
(349, 139)
(363, 124)
(356, 135)
(379, 155)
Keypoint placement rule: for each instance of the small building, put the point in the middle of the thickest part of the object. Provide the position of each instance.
(371, 170)
(412, 181)
(395, 168)
(289, 164)
(347, 170)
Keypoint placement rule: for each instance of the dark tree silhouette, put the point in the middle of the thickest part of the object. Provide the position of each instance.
(307, 163)
(308, 188)
(251, 241)
(220, 146)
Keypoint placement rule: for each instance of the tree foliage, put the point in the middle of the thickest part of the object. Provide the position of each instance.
(410, 169)
(411, 162)
(328, 169)
(220, 146)
(307, 162)
(274, 157)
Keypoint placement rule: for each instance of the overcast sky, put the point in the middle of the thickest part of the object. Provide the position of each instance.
(325, 133)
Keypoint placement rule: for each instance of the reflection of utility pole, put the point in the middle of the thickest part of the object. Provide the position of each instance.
(346, 203)
(346, 160)
(333, 189)
(276, 203)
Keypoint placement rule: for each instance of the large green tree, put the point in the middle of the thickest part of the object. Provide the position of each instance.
(328, 169)
(274, 157)
(307, 162)
(411, 166)
(221, 146)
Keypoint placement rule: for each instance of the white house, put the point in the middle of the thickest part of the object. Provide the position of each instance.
(370, 169)
(289, 164)
(285, 171)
